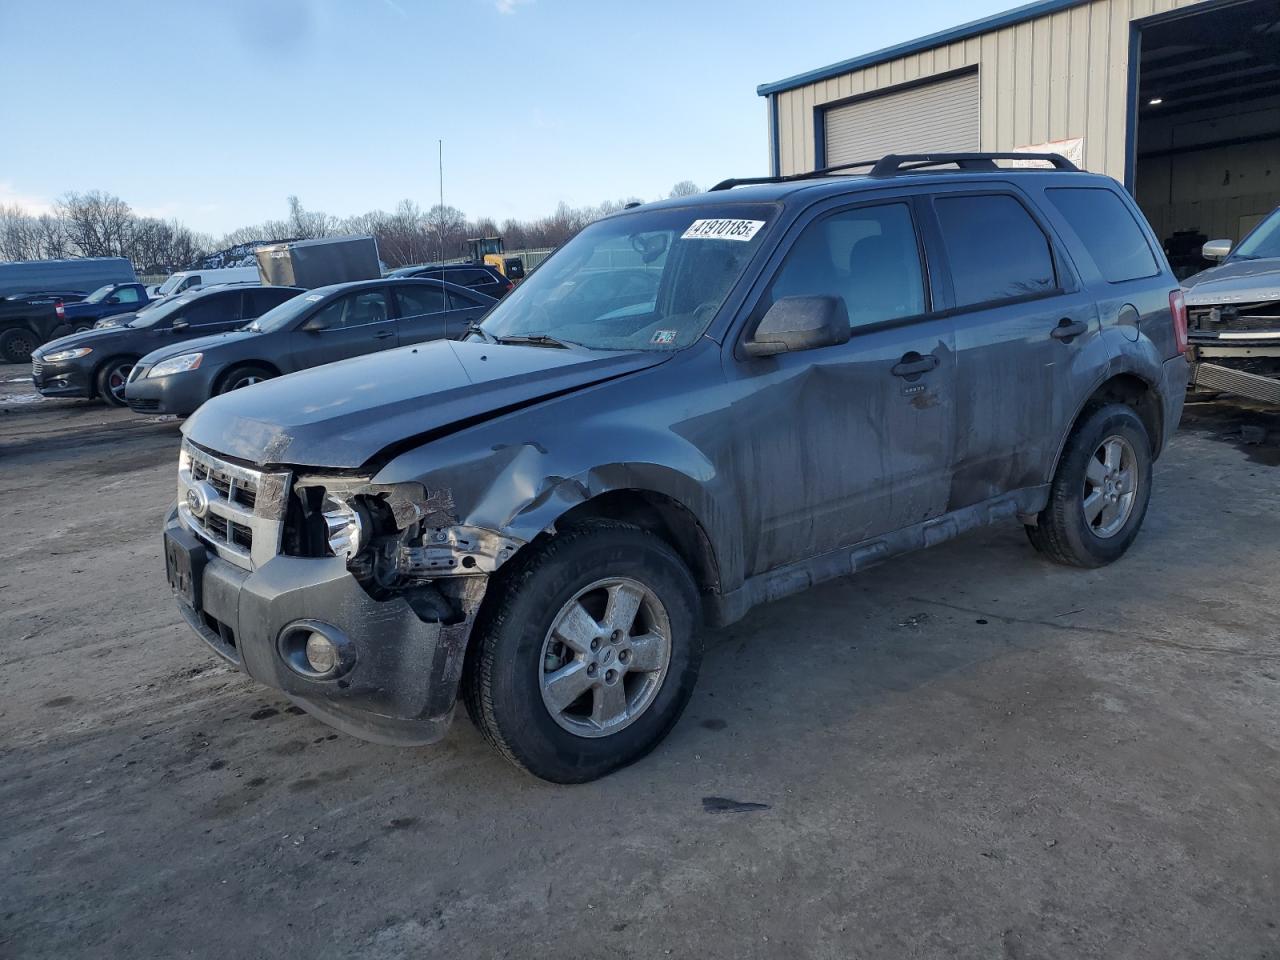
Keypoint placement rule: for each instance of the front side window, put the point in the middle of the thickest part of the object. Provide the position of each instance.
(643, 280)
(127, 295)
(354, 310)
(1108, 231)
(996, 250)
(868, 257)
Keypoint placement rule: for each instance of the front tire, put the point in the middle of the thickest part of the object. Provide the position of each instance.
(243, 376)
(111, 380)
(586, 652)
(1100, 492)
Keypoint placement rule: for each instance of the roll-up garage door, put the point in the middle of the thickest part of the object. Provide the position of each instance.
(930, 118)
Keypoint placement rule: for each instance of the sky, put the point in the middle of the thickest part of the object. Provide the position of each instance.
(215, 112)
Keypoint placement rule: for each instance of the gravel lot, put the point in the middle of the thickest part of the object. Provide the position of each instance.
(966, 752)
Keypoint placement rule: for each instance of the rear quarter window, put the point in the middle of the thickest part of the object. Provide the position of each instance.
(1108, 231)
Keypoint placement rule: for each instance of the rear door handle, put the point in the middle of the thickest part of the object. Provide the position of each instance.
(913, 364)
(383, 335)
(1067, 330)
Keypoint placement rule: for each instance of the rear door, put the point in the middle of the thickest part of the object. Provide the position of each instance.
(353, 324)
(1023, 324)
(849, 442)
(421, 310)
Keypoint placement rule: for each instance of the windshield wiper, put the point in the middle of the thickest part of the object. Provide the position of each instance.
(485, 335)
(535, 339)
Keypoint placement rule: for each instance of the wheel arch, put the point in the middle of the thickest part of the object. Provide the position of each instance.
(662, 515)
(1126, 387)
(231, 368)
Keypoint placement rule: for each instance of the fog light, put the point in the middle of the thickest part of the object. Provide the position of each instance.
(322, 654)
(316, 650)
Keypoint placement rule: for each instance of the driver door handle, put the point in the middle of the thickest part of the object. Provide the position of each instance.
(913, 364)
(1068, 329)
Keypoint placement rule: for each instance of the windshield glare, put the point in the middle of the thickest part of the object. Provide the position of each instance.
(167, 287)
(649, 280)
(166, 308)
(100, 294)
(1263, 243)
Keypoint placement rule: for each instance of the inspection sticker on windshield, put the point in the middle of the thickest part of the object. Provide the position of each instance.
(722, 230)
(664, 336)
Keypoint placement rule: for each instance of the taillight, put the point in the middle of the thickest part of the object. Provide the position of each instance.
(60, 310)
(1178, 307)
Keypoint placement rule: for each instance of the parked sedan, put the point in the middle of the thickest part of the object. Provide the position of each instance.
(98, 362)
(327, 324)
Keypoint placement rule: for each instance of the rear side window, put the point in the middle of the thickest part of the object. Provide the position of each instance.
(222, 308)
(996, 250)
(260, 301)
(1108, 231)
(867, 256)
(460, 301)
(417, 300)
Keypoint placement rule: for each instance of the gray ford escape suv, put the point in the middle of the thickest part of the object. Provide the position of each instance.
(825, 371)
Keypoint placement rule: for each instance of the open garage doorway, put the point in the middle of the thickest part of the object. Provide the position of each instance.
(1206, 124)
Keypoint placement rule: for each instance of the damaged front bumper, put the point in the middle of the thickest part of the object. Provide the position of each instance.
(399, 662)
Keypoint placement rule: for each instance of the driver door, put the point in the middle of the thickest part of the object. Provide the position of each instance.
(351, 325)
(849, 442)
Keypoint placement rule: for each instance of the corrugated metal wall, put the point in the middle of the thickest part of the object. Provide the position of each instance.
(1061, 76)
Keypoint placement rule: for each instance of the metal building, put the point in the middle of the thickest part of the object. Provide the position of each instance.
(1177, 99)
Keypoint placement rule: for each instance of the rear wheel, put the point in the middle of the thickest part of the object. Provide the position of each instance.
(17, 345)
(1100, 493)
(245, 376)
(112, 378)
(586, 654)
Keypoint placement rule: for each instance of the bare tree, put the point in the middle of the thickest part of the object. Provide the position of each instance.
(685, 188)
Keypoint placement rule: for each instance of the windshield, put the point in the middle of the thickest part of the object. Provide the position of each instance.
(649, 280)
(100, 294)
(168, 286)
(1263, 243)
(163, 310)
(278, 318)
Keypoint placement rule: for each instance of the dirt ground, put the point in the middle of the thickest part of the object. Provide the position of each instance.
(968, 752)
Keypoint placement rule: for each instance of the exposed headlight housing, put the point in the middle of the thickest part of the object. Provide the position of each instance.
(180, 364)
(60, 355)
(344, 528)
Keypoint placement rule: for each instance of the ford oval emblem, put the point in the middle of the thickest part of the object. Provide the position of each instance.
(198, 496)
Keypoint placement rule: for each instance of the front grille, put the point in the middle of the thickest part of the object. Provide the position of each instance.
(37, 368)
(143, 406)
(236, 509)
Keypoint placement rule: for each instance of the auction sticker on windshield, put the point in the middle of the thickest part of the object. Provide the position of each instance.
(722, 230)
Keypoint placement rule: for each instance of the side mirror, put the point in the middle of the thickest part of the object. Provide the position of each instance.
(800, 323)
(315, 323)
(1216, 249)
(179, 325)
(113, 299)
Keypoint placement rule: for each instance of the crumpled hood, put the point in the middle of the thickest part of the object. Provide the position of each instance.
(1242, 281)
(196, 345)
(343, 414)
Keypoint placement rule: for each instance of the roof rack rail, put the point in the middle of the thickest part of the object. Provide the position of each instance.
(820, 172)
(896, 163)
(899, 163)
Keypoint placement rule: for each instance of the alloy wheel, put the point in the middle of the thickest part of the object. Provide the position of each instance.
(605, 657)
(1110, 487)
